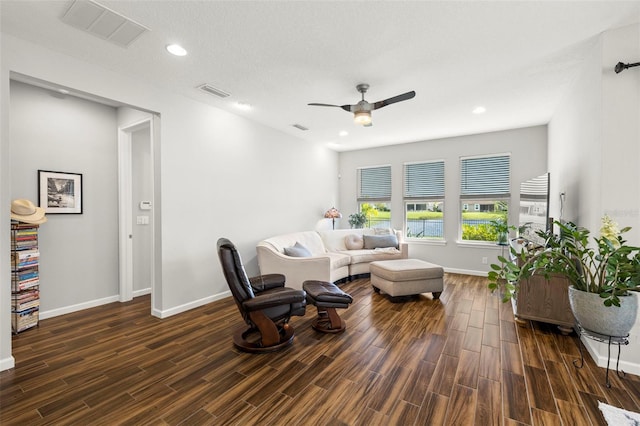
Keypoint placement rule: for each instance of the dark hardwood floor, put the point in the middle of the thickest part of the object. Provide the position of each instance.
(460, 360)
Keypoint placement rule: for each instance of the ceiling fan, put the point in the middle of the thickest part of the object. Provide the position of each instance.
(362, 110)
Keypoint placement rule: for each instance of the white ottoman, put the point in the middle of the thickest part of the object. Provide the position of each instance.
(406, 277)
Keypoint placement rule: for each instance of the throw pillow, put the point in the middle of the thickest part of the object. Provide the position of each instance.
(380, 241)
(382, 231)
(297, 250)
(354, 242)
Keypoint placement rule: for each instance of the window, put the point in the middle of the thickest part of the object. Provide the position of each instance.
(484, 195)
(424, 200)
(374, 196)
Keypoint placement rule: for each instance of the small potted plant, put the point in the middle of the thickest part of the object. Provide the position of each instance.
(604, 276)
(522, 231)
(501, 229)
(357, 220)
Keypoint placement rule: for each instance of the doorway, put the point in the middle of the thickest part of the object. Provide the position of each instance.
(136, 210)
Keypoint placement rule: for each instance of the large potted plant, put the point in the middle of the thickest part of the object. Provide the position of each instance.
(604, 275)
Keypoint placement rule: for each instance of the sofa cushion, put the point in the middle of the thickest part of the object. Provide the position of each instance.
(338, 260)
(354, 242)
(334, 240)
(297, 250)
(310, 239)
(366, 256)
(376, 241)
(383, 231)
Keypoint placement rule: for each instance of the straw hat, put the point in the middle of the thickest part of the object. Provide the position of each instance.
(25, 211)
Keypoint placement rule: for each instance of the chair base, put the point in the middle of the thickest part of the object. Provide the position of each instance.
(328, 321)
(250, 340)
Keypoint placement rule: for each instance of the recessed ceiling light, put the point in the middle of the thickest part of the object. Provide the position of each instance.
(343, 133)
(176, 49)
(479, 110)
(243, 106)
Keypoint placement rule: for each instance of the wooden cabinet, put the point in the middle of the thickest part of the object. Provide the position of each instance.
(546, 301)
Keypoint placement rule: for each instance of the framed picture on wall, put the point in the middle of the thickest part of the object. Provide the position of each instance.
(60, 192)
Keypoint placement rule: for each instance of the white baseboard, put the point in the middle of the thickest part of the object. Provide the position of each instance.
(601, 360)
(78, 307)
(188, 306)
(465, 272)
(155, 312)
(143, 292)
(7, 363)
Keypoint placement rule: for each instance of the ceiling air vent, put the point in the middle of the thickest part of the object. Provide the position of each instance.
(213, 91)
(96, 19)
(300, 126)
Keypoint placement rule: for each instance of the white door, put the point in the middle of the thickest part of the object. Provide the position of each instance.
(135, 162)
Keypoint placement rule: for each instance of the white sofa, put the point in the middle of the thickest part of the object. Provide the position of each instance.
(330, 259)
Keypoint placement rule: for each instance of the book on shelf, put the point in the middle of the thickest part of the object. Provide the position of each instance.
(25, 265)
(22, 322)
(24, 298)
(25, 238)
(24, 306)
(25, 233)
(23, 285)
(16, 224)
(28, 261)
(25, 294)
(22, 245)
(24, 274)
(27, 312)
(21, 305)
(26, 253)
(26, 229)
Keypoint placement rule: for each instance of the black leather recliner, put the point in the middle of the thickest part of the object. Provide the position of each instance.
(265, 304)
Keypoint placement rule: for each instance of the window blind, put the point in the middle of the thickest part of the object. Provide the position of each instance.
(424, 180)
(374, 183)
(536, 188)
(485, 177)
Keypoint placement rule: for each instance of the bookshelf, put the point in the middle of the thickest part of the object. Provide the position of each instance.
(25, 276)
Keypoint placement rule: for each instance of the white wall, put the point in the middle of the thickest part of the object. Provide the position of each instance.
(79, 253)
(575, 134)
(594, 143)
(621, 130)
(528, 151)
(220, 175)
(6, 360)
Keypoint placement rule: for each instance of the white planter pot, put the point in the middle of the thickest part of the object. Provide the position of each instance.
(593, 315)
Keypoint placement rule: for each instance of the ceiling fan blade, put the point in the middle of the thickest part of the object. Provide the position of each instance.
(347, 108)
(399, 98)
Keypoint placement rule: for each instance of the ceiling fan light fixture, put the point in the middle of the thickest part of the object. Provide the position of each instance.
(362, 117)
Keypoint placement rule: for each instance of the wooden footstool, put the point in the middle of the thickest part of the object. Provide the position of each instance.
(327, 297)
(406, 277)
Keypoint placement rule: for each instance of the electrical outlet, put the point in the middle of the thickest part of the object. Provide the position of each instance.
(484, 260)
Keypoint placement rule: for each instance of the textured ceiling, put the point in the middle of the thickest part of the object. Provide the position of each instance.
(515, 58)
